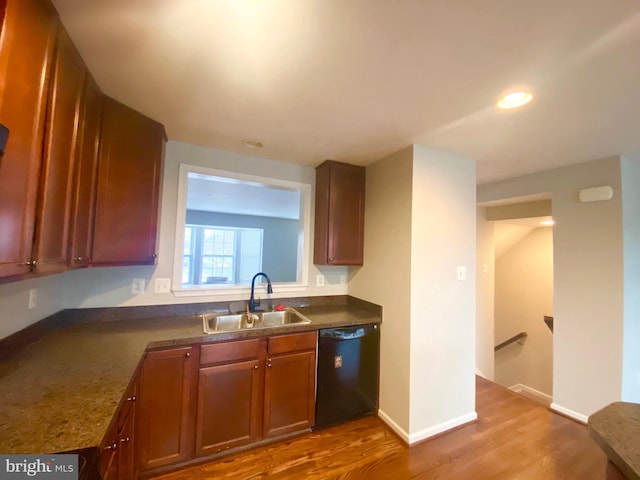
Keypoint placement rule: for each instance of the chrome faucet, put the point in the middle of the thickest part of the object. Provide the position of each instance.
(253, 303)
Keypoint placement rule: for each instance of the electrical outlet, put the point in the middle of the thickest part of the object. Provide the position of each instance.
(485, 268)
(33, 298)
(320, 280)
(163, 285)
(137, 286)
(462, 273)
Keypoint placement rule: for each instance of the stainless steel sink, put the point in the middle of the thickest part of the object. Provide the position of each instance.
(224, 322)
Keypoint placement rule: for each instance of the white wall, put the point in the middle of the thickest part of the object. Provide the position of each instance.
(588, 281)
(385, 277)
(14, 301)
(419, 226)
(443, 308)
(485, 273)
(111, 286)
(523, 295)
(631, 242)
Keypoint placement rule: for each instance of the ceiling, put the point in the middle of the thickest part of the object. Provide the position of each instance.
(356, 80)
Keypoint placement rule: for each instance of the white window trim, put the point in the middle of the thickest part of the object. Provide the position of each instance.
(304, 241)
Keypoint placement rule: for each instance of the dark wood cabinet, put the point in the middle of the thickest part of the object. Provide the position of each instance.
(230, 393)
(79, 181)
(289, 398)
(26, 52)
(339, 214)
(52, 237)
(166, 403)
(256, 389)
(86, 174)
(129, 175)
(118, 448)
(229, 404)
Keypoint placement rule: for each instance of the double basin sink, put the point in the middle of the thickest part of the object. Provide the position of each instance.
(225, 322)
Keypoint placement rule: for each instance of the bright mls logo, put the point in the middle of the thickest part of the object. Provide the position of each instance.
(51, 467)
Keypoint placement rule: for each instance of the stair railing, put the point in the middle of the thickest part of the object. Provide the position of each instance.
(511, 340)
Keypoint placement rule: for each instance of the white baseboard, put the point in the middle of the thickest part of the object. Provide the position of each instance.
(569, 413)
(410, 439)
(537, 395)
(393, 426)
(442, 427)
(478, 372)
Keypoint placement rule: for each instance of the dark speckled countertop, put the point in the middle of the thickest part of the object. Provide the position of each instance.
(60, 391)
(616, 429)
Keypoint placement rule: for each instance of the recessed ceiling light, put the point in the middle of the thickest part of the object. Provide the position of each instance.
(252, 143)
(514, 100)
(548, 223)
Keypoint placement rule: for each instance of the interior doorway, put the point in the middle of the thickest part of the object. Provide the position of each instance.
(523, 297)
(515, 295)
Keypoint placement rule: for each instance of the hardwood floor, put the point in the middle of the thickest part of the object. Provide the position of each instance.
(514, 438)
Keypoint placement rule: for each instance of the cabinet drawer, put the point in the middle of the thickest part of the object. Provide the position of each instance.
(230, 351)
(293, 342)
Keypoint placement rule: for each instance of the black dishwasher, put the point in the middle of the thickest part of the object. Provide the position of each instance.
(348, 365)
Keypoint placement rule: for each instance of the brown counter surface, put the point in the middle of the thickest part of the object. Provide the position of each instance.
(59, 392)
(616, 429)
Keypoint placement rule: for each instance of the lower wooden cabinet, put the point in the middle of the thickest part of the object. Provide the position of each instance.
(165, 426)
(197, 400)
(290, 384)
(118, 450)
(229, 405)
(260, 389)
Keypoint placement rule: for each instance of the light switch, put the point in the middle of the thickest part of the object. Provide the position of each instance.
(163, 285)
(462, 272)
(320, 280)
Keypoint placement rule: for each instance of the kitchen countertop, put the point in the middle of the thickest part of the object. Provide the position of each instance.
(616, 429)
(60, 391)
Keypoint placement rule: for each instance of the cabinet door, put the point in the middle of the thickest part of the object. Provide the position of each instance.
(289, 403)
(131, 153)
(339, 227)
(165, 433)
(86, 174)
(56, 189)
(26, 52)
(229, 406)
(126, 447)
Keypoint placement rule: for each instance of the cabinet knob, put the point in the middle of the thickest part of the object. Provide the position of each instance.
(154, 256)
(113, 446)
(255, 367)
(31, 263)
(125, 440)
(77, 259)
(188, 354)
(268, 365)
(132, 398)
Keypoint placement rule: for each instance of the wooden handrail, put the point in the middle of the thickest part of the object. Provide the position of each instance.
(513, 339)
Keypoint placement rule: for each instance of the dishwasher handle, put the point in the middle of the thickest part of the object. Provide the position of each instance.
(343, 333)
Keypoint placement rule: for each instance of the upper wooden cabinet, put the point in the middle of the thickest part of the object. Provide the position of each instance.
(129, 174)
(79, 182)
(26, 53)
(56, 188)
(339, 219)
(86, 174)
